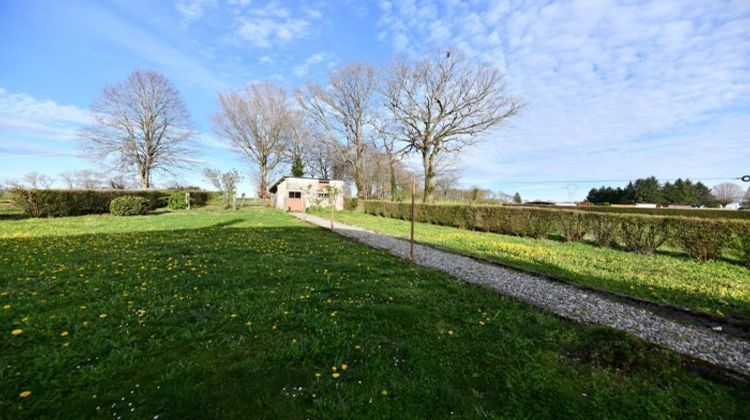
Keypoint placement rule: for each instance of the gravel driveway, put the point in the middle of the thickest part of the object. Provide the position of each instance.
(567, 301)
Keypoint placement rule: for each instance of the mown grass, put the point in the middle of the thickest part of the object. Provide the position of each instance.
(719, 288)
(246, 314)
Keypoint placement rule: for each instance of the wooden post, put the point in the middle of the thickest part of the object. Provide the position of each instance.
(187, 200)
(413, 214)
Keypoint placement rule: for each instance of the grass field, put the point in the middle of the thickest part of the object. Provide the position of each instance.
(255, 314)
(716, 287)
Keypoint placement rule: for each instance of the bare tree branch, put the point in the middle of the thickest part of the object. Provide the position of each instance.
(442, 104)
(142, 125)
(257, 122)
(343, 110)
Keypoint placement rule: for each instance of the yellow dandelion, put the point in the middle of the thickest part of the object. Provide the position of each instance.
(344, 366)
(102, 316)
(450, 332)
(335, 375)
(25, 394)
(6, 306)
(17, 331)
(64, 334)
(318, 375)
(384, 392)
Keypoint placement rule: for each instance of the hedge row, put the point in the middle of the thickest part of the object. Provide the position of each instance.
(56, 203)
(702, 239)
(664, 211)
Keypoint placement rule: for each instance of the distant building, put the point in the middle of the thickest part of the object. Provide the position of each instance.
(297, 194)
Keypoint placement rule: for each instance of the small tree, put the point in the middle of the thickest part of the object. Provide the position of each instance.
(517, 198)
(36, 180)
(726, 193)
(746, 200)
(226, 183)
(298, 168)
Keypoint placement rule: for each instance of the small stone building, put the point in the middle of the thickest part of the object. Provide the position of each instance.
(297, 194)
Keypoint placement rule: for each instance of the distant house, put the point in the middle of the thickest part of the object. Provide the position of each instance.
(297, 194)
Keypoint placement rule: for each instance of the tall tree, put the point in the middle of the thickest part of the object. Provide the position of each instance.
(727, 193)
(443, 103)
(343, 110)
(256, 121)
(141, 125)
(648, 190)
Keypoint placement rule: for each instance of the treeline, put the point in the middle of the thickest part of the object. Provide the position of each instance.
(650, 190)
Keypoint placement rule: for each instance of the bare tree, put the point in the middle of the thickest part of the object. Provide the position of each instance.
(84, 179)
(301, 138)
(344, 110)
(36, 180)
(727, 193)
(443, 103)
(142, 125)
(225, 183)
(256, 122)
(746, 199)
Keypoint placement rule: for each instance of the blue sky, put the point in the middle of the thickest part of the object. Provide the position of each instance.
(614, 89)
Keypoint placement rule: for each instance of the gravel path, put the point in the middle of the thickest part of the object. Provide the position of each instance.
(564, 300)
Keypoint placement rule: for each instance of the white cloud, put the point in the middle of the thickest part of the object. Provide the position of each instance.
(22, 113)
(193, 9)
(270, 25)
(612, 89)
(302, 69)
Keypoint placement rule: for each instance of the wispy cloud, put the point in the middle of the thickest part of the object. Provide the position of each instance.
(22, 113)
(269, 25)
(302, 69)
(193, 9)
(633, 88)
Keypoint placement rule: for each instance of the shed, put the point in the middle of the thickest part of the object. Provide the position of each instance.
(299, 193)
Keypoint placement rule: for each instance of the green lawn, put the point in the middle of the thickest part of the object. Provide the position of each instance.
(716, 287)
(246, 314)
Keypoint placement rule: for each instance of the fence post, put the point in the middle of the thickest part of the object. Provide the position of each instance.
(413, 214)
(187, 199)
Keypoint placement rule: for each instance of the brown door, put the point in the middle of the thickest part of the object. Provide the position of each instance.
(294, 201)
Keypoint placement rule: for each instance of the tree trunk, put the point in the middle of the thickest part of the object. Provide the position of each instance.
(145, 181)
(359, 182)
(394, 184)
(263, 182)
(428, 162)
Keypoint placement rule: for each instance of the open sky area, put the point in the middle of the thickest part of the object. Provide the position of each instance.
(614, 90)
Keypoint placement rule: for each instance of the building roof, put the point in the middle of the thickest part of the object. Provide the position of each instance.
(274, 188)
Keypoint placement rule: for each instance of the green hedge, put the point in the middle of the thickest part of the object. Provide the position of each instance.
(666, 211)
(702, 239)
(56, 203)
(129, 205)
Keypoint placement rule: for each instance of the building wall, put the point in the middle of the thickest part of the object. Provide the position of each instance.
(310, 189)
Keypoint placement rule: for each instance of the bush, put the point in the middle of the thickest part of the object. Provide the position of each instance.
(572, 225)
(350, 203)
(129, 205)
(702, 241)
(604, 228)
(643, 234)
(176, 200)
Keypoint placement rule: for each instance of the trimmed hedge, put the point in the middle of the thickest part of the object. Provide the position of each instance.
(129, 205)
(702, 239)
(57, 203)
(666, 211)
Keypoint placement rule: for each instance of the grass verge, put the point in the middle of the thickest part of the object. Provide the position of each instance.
(720, 288)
